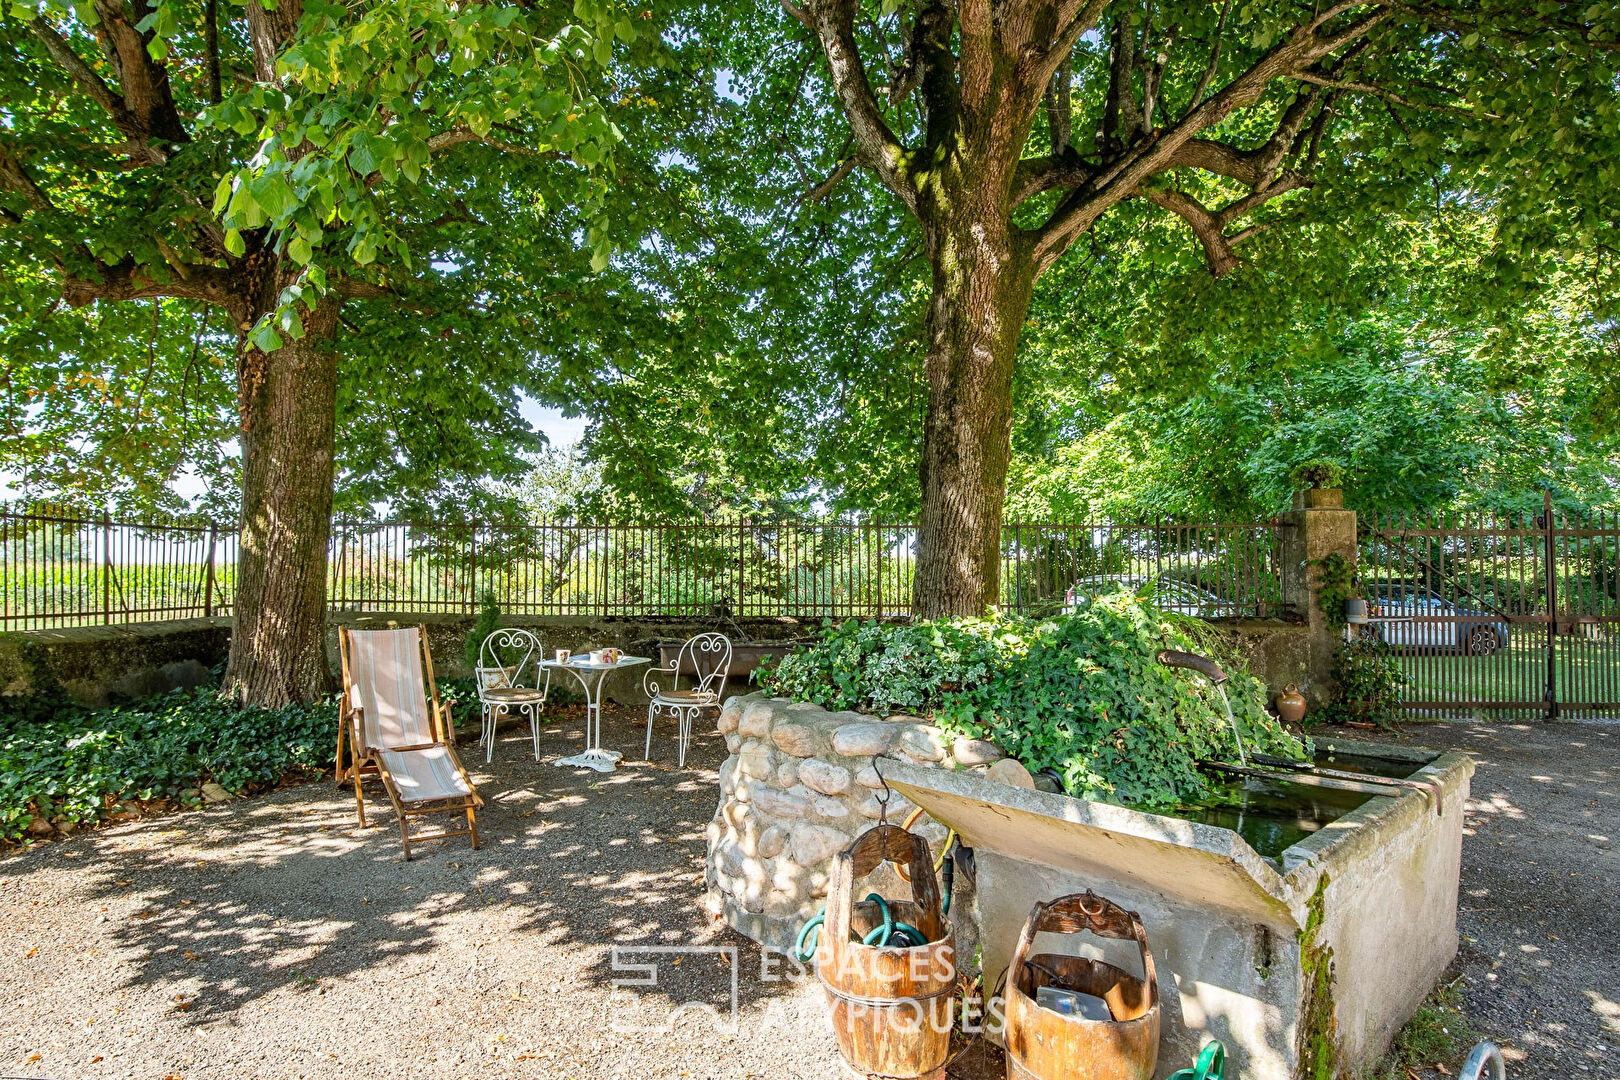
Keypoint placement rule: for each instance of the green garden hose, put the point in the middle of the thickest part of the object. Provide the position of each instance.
(804, 948)
(879, 935)
(811, 927)
(1211, 1065)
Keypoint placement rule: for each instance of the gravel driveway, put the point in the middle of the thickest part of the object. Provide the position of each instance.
(270, 938)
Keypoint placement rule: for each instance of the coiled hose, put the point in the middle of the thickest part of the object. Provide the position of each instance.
(892, 932)
(1211, 1065)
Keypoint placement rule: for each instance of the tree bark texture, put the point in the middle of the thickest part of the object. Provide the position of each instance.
(981, 297)
(288, 406)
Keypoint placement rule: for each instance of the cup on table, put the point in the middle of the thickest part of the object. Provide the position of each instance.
(563, 655)
(596, 657)
(610, 656)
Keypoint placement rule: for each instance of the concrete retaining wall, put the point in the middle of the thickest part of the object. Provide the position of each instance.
(95, 664)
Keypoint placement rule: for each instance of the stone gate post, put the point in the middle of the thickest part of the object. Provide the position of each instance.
(1317, 527)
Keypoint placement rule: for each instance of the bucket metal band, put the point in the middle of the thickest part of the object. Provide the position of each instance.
(884, 1002)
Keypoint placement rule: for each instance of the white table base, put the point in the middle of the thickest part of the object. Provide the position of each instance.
(590, 679)
(595, 758)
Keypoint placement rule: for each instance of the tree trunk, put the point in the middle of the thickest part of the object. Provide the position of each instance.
(981, 295)
(288, 404)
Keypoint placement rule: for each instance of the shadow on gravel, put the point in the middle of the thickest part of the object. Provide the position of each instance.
(284, 894)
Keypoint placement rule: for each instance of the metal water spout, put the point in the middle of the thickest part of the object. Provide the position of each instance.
(1210, 670)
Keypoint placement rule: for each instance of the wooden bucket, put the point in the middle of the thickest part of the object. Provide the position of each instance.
(1046, 1045)
(891, 1007)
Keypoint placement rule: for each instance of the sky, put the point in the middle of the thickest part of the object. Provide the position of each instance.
(563, 431)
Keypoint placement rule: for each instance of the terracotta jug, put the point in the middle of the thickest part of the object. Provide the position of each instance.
(1291, 704)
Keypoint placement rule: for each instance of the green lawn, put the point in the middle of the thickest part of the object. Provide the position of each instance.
(1587, 672)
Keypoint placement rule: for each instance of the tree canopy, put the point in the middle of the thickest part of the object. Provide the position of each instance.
(670, 218)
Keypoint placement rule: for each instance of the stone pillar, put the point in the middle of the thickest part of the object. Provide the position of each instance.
(1311, 532)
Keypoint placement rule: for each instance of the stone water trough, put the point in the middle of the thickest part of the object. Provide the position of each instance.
(1305, 965)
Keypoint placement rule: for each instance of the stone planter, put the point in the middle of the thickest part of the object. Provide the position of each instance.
(1319, 499)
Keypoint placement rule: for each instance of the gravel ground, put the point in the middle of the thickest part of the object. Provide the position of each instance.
(271, 938)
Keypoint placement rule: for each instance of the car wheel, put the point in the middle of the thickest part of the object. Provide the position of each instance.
(1482, 641)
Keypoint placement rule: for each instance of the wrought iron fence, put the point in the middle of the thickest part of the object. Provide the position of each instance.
(65, 570)
(1506, 615)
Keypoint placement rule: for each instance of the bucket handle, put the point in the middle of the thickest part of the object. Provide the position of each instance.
(1076, 914)
(873, 848)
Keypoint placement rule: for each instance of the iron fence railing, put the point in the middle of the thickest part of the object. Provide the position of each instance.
(67, 570)
(1500, 614)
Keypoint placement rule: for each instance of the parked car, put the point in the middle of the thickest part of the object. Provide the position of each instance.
(1167, 594)
(1401, 615)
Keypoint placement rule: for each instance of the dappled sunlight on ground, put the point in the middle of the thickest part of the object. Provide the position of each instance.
(1539, 877)
(272, 937)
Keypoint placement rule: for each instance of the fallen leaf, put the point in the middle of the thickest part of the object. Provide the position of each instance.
(121, 883)
(144, 914)
(189, 955)
(31, 952)
(33, 1058)
(95, 1059)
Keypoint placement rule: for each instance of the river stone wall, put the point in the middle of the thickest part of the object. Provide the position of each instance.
(799, 785)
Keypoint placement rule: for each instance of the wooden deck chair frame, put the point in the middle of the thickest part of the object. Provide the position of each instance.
(367, 761)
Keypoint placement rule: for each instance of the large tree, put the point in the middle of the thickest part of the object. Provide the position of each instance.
(1009, 130)
(288, 173)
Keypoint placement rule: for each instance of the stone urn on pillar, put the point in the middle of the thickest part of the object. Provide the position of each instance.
(1317, 485)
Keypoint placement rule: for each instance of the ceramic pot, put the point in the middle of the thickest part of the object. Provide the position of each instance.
(1291, 704)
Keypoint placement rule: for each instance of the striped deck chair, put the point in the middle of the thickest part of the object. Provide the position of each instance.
(399, 732)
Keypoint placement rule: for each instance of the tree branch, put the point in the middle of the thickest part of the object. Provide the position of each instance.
(456, 136)
(1035, 175)
(14, 177)
(1389, 96)
(822, 190)
(1059, 109)
(1160, 150)
(127, 280)
(1214, 59)
(833, 23)
(1204, 224)
(143, 81)
(1449, 21)
(62, 51)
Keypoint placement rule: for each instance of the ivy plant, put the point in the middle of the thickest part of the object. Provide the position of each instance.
(70, 764)
(1081, 694)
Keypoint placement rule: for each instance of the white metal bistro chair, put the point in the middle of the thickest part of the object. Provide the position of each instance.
(502, 662)
(707, 659)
